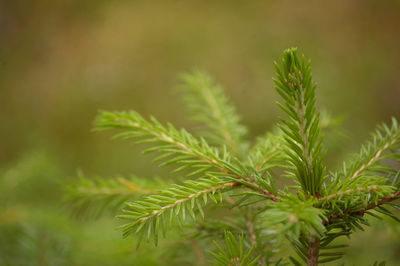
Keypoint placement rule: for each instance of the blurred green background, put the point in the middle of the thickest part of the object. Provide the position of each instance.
(61, 61)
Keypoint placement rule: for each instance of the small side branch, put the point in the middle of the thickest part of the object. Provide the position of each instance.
(375, 158)
(154, 213)
(373, 152)
(337, 195)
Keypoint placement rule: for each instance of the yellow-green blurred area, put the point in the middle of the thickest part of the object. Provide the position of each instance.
(63, 60)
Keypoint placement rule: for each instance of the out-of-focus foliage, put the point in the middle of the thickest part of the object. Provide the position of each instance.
(208, 104)
(91, 197)
(37, 229)
(236, 253)
(61, 61)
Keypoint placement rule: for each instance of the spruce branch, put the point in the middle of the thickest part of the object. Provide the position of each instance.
(294, 216)
(385, 144)
(267, 152)
(236, 253)
(361, 211)
(350, 192)
(179, 198)
(179, 146)
(208, 104)
(182, 148)
(301, 128)
(91, 197)
(322, 208)
(149, 214)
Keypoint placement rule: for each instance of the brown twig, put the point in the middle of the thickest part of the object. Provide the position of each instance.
(254, 184)
(199, 253)
(262, 190)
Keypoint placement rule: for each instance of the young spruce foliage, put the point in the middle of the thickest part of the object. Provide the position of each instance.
(255, 217)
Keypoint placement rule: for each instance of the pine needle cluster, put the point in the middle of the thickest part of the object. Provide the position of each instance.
(228, 193)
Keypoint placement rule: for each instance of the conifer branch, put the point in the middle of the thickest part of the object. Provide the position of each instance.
(150, 213)
(349, 192)
(301, 128)
(92, 197)
(361, 212)
(311, 218)
(180, 145)
(267, 152)
(179, 198)
(236, 253)
(385, 144)
(176, 202)
(127, 188)
(208, 104)
(297, 216)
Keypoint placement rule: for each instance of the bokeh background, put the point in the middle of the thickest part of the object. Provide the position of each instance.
(62, 61)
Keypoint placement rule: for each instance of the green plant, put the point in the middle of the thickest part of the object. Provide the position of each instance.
(221, 168)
